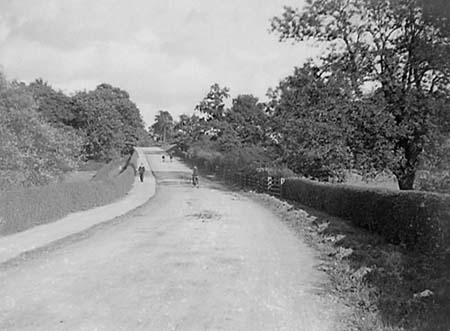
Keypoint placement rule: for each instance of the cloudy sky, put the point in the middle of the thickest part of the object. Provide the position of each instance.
(165, 53)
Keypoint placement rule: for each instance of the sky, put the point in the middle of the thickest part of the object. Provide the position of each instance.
(164, 53)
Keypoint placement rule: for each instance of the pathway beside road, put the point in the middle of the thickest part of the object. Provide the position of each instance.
(14, 245)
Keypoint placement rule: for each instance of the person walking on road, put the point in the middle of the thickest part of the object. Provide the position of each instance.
(195, 176)
(141, 171)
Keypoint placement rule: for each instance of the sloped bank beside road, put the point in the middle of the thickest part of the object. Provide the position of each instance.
(41, 234)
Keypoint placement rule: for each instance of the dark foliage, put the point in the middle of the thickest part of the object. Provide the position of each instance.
(415, 219)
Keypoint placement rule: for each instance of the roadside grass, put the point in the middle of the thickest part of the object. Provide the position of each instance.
(77, 176)
(22, 209)
(384, 181)
(111, 170)
(91, 165)
(84, 172)
(384, 285)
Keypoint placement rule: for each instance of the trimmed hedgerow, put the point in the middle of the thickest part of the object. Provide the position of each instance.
(420, 220)
(25, 208)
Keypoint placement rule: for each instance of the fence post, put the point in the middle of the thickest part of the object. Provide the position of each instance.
(269, 184)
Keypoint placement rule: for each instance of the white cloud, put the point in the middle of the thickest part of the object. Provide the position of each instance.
(164, 53)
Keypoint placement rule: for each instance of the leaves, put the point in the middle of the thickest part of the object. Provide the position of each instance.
(213, 105)
(32, 151)
(163, 125)
(110, 120)
(390, 46)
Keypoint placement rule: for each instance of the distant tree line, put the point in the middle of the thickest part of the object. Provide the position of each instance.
(376, 100)
(45, 133)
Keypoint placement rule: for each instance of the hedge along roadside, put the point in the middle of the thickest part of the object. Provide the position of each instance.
(25, 208)
(419, 220)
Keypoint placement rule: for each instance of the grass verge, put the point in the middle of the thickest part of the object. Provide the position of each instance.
(387, 287)
(25, 208)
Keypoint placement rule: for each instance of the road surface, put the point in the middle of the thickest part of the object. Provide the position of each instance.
(189, 259)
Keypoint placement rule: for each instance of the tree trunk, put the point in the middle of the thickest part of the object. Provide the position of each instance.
(406, 179)
(406, 173)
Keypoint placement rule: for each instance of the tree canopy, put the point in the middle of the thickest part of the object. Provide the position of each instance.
(387, 46)
(163, 125)
(111, 121)
(56, 107)
(32, 152)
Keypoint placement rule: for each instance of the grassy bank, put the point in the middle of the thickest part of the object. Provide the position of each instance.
(387, 286)
(25, 208)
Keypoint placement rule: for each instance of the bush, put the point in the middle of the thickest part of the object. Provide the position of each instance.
(435, 181)
(419, 220)
(32, 151)
(25, 208)
(245, 159)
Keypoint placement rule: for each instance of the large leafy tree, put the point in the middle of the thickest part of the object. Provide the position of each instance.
(110, 120)
(309, 123)
(247, 118)
(388, 45)
(187, 130)
(217, 132)
(212, 106)
(32, 151)
(55, 107)
(437, 11)
(133, 125)
(163, 125)
(212, 111)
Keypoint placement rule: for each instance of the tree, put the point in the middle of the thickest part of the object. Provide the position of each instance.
(133, 125)
(32, 151)
(247, 118)
(213, 105)
(308, 123)
(230, 137)
(111, 121)
(188, 130)
(56, 107)
(437, 11)
(388, 45)
(163, 124)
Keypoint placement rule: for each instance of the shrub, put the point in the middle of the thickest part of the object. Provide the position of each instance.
(435, 181)
(32, 151)
(25, 208)
(420, 220)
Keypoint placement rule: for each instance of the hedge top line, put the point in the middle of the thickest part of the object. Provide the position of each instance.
(374, 189)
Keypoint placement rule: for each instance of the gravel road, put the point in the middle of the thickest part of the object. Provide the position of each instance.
(189, 259)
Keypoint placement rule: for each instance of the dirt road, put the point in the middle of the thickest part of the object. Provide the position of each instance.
(190, 259)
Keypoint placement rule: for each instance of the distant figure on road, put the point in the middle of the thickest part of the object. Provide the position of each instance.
(141, 171)
(171, 157)
(163, 158)
(195, 176)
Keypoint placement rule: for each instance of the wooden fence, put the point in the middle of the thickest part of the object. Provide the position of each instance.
(259, 182)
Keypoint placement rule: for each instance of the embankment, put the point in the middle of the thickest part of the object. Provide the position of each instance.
(26, 208)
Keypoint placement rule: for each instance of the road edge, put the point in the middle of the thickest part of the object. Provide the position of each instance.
(13, 245)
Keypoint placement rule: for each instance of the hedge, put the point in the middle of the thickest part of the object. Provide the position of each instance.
(25, 208)
(419, 220)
